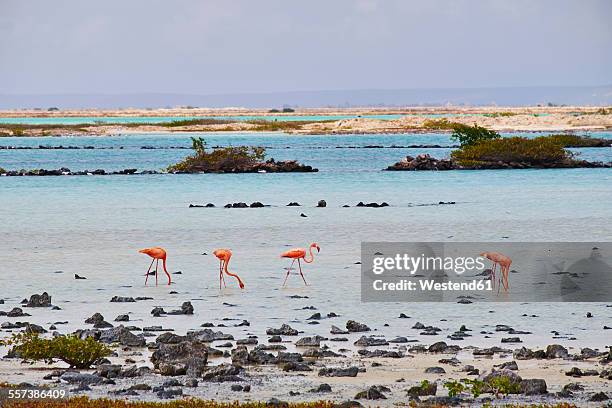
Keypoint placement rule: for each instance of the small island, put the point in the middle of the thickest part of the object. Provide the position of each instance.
(238, 159)
(484, 149)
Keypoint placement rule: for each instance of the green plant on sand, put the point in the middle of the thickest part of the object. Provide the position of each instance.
(76, 352)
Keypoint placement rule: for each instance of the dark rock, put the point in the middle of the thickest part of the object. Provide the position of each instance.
(509, 365)
(122, 318)
(187, 356)
(79, 277)
(42, 300)
(337, 330)
(365, 341)
(556, 351)
(322, 388)
(438, 347)
(74, 377)
(186, 309)
(122, 299)
(322, 203)
(293, 204)
(355, 327)
(122, 336)
(95, 318)
(295, 366)
(158, 311)
(598, 397)
(435, 370)
(339, 372)
(223, 373)
(371, 393)
(533, 387)
(284, 330)
(168, 393)
(16, 312)
(314, 341)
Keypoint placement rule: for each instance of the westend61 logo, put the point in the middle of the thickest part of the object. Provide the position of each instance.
(468, 272)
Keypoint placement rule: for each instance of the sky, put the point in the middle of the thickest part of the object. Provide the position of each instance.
(243, 46)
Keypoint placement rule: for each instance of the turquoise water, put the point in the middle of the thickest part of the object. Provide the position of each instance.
(94, 226)
(75, 120)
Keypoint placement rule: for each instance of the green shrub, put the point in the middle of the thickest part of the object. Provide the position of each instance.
(185, 122)
(537, 151)
(454, 388)
(439, 124)
(471, 135)
(276, 126)
(503, 385)
(223, 159)
(499, 114)
(71, 349)
(567, 140)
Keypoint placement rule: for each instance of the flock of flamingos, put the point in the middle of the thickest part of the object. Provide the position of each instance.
(224, 256)
(299, 254)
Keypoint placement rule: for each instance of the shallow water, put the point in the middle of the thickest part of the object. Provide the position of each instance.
(93, 226)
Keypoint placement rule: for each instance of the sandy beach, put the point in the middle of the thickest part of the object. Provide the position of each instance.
(412, 120)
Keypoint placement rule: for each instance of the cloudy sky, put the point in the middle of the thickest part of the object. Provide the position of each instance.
(231, 46)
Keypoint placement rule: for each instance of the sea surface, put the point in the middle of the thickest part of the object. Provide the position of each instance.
(56, 227)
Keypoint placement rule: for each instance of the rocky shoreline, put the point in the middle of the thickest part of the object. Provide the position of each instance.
(350, 363)
(270, 166)
(426, 162)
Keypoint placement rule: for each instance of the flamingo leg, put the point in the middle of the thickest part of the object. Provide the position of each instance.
(220, 273)
(148, 270)
(505, 271)
(493, 267)
(288, 272)
(156, 265)
(223, 276)
(300, 266)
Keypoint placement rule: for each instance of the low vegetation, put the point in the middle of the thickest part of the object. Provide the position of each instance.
(497, 386)
(72, 350)
(499, 114)
(439, 124)
(218, 160)
(539, 151)
(568, 140)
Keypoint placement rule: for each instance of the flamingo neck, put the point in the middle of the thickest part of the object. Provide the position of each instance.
(311, 257)
(232, 274)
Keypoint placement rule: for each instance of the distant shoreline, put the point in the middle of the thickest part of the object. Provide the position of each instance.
(412, 120)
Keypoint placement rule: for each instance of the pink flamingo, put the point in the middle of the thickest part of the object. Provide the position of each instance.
(224, 256)
(504, 262)
(297, 254)
(156, 253)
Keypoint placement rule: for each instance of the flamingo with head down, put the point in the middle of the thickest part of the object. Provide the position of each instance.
(504, 262)
(224, 256)
(297, 254)
(156, 253)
